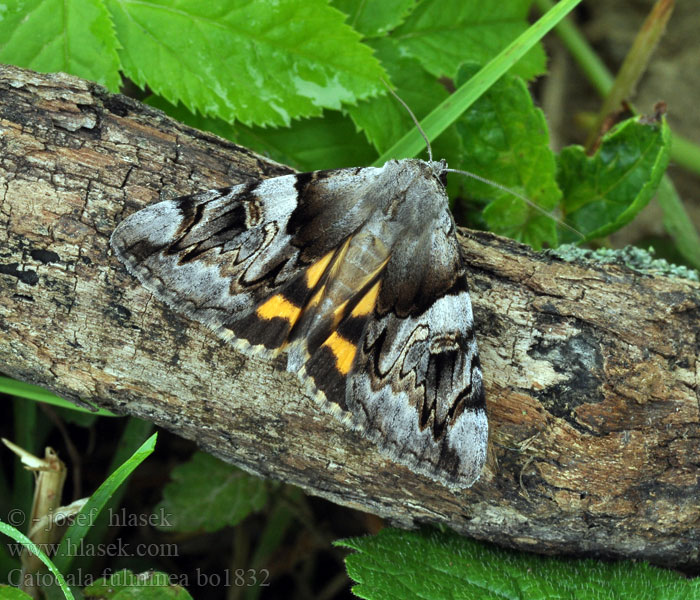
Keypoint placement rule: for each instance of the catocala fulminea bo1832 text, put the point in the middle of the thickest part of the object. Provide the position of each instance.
(357, 274)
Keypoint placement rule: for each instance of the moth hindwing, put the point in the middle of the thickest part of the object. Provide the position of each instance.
(357, 275)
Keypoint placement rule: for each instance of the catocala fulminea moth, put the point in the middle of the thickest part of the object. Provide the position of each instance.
(357, 274)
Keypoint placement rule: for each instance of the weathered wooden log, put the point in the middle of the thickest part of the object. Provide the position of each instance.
(591, 371)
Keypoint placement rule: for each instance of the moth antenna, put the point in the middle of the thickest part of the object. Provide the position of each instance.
(525, 199)
(410, 112)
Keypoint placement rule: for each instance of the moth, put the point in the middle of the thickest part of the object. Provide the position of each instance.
(357, 275)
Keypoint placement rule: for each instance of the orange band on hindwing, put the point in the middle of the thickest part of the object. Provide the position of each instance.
(344, 347)
(366, 305)
(343, 351)
(315, 271)
(279, 307)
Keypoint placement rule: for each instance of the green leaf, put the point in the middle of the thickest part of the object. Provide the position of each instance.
(12, 593)
(245, 60)
(207, 494)
(310, 144)
(604, 192)
(418, 565)
(84, 519)
(330, 142)
(505, 139)
(74, 36)
(375, 18)
(126, 585)
(443, 35)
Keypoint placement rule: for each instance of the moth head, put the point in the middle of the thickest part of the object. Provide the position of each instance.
(439, 168)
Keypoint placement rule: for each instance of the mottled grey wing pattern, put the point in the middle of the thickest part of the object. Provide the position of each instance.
(218, 255)
(417, 387)
(357, 274)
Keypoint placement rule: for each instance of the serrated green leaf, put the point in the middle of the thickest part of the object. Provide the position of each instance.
(247, 60)
(207, 494)
(126, 585)
(74, 36)
(443, 35)
(413, 565)
(374, 18)
(451, 109)
(308, 145)
(505, 139)
(604, 192)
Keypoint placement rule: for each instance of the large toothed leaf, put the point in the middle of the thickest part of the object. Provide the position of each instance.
(73, 36)
(606, 191)
(412, 565)
(206, 494)
(443, 35)
(245, 60)
(327, 142)
(506, 140)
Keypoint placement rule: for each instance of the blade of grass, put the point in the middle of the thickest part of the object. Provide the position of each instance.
(39, 394)
(677, 223)
(132, 437)
(26, 542)
(25, 436)
(83, 520)
(452, 108)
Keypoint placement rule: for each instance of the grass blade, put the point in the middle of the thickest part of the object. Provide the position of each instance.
(20, 389)
(452, 108)
(80, 527)
(18, 536)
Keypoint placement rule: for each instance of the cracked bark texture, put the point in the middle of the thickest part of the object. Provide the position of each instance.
(591, 372)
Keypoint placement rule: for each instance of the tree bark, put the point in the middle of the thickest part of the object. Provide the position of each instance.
(591, 371)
